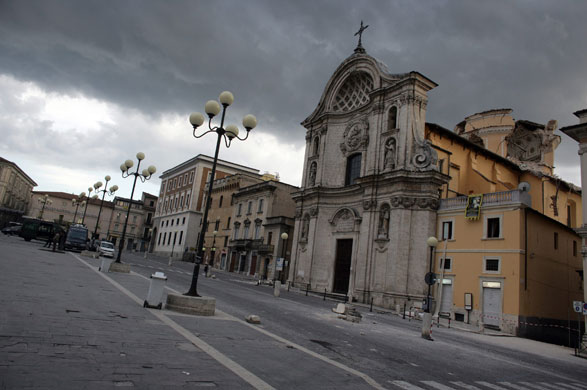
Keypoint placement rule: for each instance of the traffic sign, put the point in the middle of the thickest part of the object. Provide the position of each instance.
(577, 306)
(430, 278)
(585, 308)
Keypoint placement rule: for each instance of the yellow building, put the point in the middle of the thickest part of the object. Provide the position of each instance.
(513, 262)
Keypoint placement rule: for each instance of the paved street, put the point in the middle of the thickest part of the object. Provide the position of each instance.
(64, 325)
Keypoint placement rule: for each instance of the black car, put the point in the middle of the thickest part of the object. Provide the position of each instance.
(12, 228)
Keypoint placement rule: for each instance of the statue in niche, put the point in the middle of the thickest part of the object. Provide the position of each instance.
(313, 169)
(389, 155)
(383, 229)
(305, 227)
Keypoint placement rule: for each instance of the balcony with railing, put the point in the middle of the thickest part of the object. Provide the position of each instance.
(491, 199)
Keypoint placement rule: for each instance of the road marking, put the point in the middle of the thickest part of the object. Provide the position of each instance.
(513, 386)
(571, 386)
(465, 386)
(248, 376)
(534, 386)
(548, 385)
(405, 385)
(361, 375)
(491, 386)
(437, 385)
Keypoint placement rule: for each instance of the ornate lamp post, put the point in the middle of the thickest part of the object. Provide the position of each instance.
(144, 176)
(111, 191)
(78, 202)
(229, 133)
(45, 201)
(90, 189)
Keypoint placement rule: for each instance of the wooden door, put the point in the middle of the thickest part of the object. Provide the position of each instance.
(342, 266)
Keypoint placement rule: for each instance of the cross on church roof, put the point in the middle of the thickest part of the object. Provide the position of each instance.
(359, 48)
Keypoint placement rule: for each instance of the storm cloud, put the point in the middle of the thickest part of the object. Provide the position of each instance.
(151, 63)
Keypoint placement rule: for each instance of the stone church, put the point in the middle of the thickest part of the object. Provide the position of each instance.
(370, 186)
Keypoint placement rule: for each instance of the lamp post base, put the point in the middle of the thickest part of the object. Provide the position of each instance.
(200, 306)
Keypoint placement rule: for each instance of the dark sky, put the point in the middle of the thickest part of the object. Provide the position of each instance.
(86, 84)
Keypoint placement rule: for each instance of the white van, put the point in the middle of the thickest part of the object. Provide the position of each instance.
(106, 249)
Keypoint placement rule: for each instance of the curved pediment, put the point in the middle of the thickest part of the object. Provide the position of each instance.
(350, 86)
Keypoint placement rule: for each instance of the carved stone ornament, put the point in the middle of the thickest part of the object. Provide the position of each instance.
(368, 204)
(407, 202)
(314, 211)
(298, 213)
(425, 157)
(356, 137)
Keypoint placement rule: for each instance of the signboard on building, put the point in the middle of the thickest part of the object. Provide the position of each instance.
(279, 264)
(578, 306)
(473, 210)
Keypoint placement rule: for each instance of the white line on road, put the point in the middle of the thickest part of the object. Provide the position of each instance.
(361, 375)
(534, 386)
(405, 385)
(570, 386)
(437, 385)
(491, 386)
(513, 386)
(248, 376)
(548, 385)
(465, 386)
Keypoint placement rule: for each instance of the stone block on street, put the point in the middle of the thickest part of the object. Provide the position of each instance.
(253, 319)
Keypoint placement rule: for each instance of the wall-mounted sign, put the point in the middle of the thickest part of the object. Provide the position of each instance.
(468, 301)
(473, 209)
(578, 306)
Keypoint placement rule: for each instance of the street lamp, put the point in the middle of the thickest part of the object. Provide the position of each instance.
(76, 203)
(229, 133)
(145, 175)
(90, 189)
(45, 201)
(430, 280)
(284, 237)
(111, 191)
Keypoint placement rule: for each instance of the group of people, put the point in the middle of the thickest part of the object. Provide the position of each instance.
(57, 239)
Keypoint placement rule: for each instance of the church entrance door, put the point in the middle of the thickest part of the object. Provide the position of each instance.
(342, 266)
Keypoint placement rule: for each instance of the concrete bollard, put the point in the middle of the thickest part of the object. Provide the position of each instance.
(427, 326)
(276, 288)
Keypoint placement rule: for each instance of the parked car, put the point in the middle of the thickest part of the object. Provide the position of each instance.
(12, 228)
(36, 229)
(106, 249)
(77, 238)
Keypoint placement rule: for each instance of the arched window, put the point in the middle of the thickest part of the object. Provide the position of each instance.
(316, 149)
(353, 169)
(392, 118)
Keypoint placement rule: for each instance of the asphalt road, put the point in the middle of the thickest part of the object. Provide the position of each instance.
(300, 343)
(383, 346)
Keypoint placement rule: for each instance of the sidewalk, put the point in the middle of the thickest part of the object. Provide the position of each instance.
(65, 325)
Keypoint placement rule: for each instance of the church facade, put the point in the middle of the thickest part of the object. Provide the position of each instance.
(370, 187)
